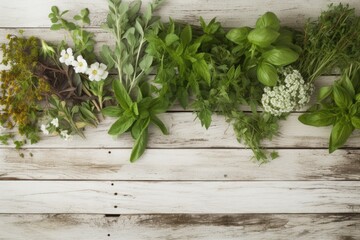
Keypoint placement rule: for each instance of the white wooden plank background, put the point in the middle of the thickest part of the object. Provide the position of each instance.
(64, 189)
(178, 164)
(180, 227)
(138, 197)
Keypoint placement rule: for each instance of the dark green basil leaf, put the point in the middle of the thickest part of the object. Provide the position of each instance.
(339, 134)
(347, 84)
(121, 125)
(324, 92)
(263, 37)
(318, 119)
(342, 97)
(238, 35)
(355, 122)
(270, 20)
(280, 56)
(267, 74)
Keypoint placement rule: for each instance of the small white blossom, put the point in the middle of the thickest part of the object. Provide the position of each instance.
(67, 56)
(43, 128)
(95, 72)
(106, 73)
(55, 122)
(80, 65)
(291, 93)
(65, 135)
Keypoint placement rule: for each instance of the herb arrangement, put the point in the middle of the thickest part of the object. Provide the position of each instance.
(61, 88)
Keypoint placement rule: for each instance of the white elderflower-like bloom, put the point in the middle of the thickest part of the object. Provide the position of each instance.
(80, 65)
(65, 135)
(95, 72)
(55, 122)
(291, 93)
(43, 128)
(67, 56)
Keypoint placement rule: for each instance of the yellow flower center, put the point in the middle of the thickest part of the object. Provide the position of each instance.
(94, 72)
(66, 55)
(80, 64)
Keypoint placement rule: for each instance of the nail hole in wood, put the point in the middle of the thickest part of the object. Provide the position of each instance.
(225, 175)
(115, 206)
(112, 184)
(109, 235)
(115, 193)
(109, 152)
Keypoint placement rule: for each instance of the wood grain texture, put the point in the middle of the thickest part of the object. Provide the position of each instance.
(230, 12)
(147, 197)
(179, 227)
(185, 132)
(177, 164)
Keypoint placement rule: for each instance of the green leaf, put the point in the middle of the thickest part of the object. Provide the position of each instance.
(146, 62)
(121, 125)
(106, 56)
(55, 10)
(342, 97)
(121, 95)
(280, 56)
(84, 12)
(269, 20)
(112, 111)
(128, 69)
(238, 35)
(202, 69)
(170, 39)
(77, 17)
(183, 97)
(324, 92)
(186, 35)
(339, 134)
(263, 37)
(355, 122)
(267, 74)
(56, 26)
(138, 127)
(348, 86)
(140, 143)
(318, 119)
(205, 117)
(160, 124)
(139, 28)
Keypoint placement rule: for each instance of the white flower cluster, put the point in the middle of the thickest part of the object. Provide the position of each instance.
(54, 126)
(291, 93)
(96, 71)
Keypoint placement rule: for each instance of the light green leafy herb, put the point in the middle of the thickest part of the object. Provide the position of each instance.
(137, 100)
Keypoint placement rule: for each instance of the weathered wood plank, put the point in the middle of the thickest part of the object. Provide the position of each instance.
(178, 164)
(187, 133)
(176, 227)
(147, 197)
(230, 12)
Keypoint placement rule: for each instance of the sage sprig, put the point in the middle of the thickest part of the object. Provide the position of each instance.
(137, 102)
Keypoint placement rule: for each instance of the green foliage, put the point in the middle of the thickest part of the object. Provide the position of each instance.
(331, 41)
(339, 107)
(223, 70)
(82, 39)
(138, 102)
